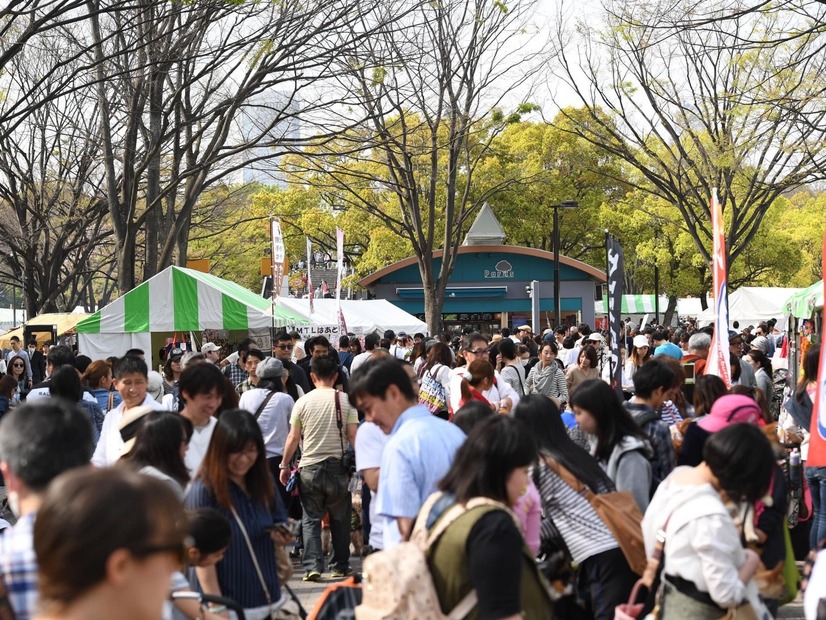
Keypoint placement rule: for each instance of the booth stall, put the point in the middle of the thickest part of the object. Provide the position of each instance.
(176, 302)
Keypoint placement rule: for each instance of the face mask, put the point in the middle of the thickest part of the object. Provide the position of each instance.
(32, 349)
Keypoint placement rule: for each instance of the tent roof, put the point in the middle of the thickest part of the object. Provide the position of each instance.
(65, 322)
(804, 302)
(361, 315)
(633, 304)
(752, 304)
(180, 299)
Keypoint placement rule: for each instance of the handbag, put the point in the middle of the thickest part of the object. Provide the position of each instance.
(283, 563)
(619, 513)
(432, 393)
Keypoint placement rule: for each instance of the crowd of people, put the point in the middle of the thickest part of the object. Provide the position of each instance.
(129, 488)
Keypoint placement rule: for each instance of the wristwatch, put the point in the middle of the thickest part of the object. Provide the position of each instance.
(283, 467)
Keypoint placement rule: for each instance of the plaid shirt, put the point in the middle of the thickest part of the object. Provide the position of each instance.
(19, 566)
(235, 374)
(244, 386)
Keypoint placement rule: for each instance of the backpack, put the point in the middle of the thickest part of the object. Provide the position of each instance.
(397, 584)
(657, 468)
(432, 393)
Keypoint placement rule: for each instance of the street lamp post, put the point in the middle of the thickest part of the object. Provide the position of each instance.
(565, 204)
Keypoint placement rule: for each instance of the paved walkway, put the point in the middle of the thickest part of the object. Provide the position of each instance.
(308, 592)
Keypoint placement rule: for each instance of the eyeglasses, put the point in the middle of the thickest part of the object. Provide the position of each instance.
(283, 347)
(480, 351)
(18, 365)
(178, 550)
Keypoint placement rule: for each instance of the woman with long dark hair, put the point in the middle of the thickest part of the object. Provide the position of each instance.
(235, 479)
(619, 445)
(484, 549)
(159, 446)
(604, 575)
(640, 353)
(762, 372)
(437, 367)
(584, 370)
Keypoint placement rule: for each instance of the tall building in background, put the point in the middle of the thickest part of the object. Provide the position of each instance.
(274, 114)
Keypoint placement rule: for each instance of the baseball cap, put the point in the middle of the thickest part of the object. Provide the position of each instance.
(209, 347)
(640, 341)
(596, 337)
(523, 328)
(177, 352)
(731, 409)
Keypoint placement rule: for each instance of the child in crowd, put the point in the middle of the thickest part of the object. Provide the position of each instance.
(209, 535)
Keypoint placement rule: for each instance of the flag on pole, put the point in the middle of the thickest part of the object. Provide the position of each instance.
(817, 429)
(719, 354)
(278, 256)
(616, 278)
(339, 274)
(309, 273)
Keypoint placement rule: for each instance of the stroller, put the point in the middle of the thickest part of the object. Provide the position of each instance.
(234, 607)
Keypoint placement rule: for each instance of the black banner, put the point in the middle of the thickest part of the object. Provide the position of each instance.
(616, 277)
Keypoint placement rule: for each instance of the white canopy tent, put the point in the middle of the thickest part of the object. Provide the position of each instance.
(752, 304)
(362, 316)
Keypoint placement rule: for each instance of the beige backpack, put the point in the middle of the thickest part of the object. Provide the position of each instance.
(397, 584)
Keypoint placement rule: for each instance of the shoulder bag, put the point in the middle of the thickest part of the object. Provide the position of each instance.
(619, 513)
(348, 459)
(278, 610)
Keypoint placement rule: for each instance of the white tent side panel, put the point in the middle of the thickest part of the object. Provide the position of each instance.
(161, 302)
(101, 346)
(362, 316)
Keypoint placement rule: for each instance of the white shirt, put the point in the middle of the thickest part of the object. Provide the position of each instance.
(497, 392)
(359, 359)
(703, 544)
(274, 419)
(107, 451)
(198, 445)
(370, 442)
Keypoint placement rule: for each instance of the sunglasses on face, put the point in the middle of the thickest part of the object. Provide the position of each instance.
(178, 550)
(283, 347)
(18, 365)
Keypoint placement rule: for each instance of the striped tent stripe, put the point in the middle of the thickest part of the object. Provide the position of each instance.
(179, 299)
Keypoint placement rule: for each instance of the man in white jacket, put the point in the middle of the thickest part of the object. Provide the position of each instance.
(130, 382)
(475, 347)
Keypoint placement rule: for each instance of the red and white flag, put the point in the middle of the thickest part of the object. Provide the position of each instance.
(719, 354)
(817, 429)
(340, 273)
(309, 273)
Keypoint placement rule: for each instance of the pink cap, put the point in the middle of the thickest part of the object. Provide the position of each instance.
(731, 409)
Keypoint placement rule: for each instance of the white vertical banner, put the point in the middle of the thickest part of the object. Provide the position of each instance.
(278, 256)
(339, 274)
(309, 273)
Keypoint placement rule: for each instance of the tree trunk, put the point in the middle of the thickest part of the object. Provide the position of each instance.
(433, 311)
(670, 309)
(126, 264)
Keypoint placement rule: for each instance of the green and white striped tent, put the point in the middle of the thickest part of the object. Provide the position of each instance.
(176, 300)
(633, 304)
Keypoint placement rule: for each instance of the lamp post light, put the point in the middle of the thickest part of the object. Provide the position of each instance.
(565, 204)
